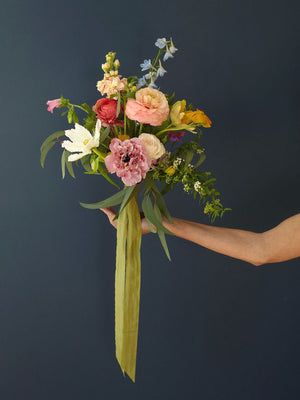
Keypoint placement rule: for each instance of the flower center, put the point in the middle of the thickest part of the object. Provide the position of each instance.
(126, 158)
(85, 142)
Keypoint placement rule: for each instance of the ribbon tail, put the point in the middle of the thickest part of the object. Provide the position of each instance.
(127, 287)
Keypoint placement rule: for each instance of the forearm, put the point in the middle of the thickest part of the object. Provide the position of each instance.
(243, 245)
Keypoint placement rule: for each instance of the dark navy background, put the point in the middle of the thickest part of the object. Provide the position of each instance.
(211, 327)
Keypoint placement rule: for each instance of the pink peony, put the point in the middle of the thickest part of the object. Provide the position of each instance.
(52, 104)
(150, 106)
(128, 160)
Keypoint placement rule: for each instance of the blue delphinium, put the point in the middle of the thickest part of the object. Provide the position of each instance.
(161, 43)
(146, 65)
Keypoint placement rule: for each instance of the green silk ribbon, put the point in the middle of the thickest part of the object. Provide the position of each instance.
(127, 287)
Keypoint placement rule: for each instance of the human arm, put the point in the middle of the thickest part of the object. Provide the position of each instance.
(278, 244)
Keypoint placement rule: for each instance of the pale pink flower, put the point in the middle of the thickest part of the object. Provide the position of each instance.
(150, 106)
(128, 160)
(52, 104)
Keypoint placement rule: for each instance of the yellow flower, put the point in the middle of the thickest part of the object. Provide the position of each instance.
(177, 112)
(197, 117)
(170, 170)
(123, 137)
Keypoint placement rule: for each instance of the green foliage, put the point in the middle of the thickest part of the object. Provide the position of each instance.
(47, 145)
(111, 201)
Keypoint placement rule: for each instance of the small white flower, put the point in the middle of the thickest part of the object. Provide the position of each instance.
(161, 43)
(172, 48)
(146, 65)
(167, 55)
(81, 141)
(160, 71)
(177, 162)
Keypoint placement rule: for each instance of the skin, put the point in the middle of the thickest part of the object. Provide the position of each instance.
(278, 244)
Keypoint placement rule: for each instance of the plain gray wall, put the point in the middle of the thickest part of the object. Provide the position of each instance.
(211, 327)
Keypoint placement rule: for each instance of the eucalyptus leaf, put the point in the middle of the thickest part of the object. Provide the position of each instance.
(69, 166)
(53, 137)
(63, 164)
(129, 193)
(44, 151)
(106, 176)
(200, 161)
(104, 134)
(163, 241)
(111, 201)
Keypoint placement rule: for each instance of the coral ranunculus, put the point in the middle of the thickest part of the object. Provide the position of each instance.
(106, 110)
(150, 106)
(128, 160)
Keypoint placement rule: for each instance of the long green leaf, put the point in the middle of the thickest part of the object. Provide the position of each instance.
(44, 152)
(163, 241)
(111, 201)
(200, 161)
(129, 193)
(54, 136)
(63, 164)
(162, 204)
(161, 233)
(69, 166)
(104, 134)
(106, 176)
(150, 215)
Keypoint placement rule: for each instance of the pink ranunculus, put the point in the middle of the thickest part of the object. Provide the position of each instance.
(128, 160)
(150, 106)
(52, 104)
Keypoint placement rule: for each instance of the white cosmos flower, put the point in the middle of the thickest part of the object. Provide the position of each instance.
(81, 141)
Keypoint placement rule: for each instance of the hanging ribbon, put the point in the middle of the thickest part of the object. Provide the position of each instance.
(127, 287)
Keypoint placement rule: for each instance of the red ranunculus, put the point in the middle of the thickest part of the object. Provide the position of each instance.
(106, 110)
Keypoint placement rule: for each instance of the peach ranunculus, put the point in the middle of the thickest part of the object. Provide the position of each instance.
(150, 106)
(197, 117)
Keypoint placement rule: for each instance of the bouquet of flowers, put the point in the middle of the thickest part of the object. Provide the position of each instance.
(152, 142)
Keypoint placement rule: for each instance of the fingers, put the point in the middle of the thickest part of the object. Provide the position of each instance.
(109, 212)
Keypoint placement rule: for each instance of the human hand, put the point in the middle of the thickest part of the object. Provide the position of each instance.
(110, 213)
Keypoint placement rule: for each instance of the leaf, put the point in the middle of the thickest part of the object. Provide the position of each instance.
(106, 176)
(54, 136)
(200, 161)
(87, 108)
(162, 238)
(85, 162)
(70, 169)
(160, 201)
(70, 115)
(161, 233)
(129, 193)
(111, 201)
(75, 117)
(104, 134)
(150, 215)
(63, 164)
(188, 157)
(44, 152)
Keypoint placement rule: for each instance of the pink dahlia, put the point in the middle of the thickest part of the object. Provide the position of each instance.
(128, 160)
